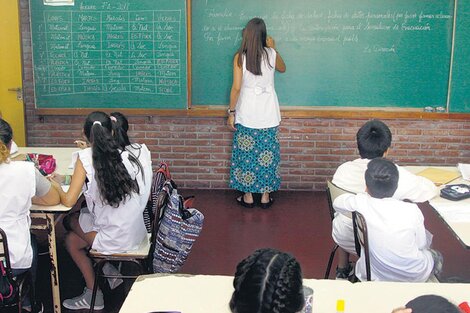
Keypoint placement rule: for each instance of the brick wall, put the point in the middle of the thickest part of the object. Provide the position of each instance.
(198, 149)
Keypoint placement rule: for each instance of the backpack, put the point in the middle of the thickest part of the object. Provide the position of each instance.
(177, 228)
(159, 178)
(45, 163)
(8, 287)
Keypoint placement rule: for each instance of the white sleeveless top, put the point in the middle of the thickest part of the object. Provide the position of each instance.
(118, 229)
(258, 106)
(15, 204)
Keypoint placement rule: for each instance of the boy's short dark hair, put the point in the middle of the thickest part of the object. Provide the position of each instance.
(373, 139)
(381, 178)
(432, 304)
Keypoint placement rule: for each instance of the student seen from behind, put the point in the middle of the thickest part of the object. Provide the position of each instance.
(268, 281)
(21, 184)
(112, 183)
(399, 244)
(429, 304)
(374, 139)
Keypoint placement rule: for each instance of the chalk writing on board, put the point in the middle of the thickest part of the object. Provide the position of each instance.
(352, 27)
(109, 48)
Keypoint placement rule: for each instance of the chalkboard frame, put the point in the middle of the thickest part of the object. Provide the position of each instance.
(286, 112)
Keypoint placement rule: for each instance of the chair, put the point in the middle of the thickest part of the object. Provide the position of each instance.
(362, 239)
(142, 257)
(332, 192)
(23, 280)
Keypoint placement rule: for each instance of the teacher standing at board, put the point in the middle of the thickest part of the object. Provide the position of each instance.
(254, 115)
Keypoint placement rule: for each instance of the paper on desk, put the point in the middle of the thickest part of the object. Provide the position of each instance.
(439, 176)
(464, 170)
(452, 211)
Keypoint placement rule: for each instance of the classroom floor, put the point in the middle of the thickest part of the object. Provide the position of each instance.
(297, 222)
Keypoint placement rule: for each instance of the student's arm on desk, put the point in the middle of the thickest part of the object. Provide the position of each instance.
(414, 188)
(45, 192)
(70, 197)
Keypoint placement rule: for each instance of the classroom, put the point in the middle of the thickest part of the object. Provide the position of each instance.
(168, 66)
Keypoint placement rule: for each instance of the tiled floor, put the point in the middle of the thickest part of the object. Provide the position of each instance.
(298, 222)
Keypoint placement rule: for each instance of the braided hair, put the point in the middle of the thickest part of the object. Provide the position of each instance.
(6, 135)
(114, 182)
(268, 281)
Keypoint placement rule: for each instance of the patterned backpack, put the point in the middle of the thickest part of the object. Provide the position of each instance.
(159, 178)
(177, 229)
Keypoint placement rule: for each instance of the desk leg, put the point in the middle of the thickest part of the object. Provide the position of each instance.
(54, 265)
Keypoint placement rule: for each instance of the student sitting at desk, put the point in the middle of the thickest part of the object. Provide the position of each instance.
(21, 184)
(113, 195)
(398, 242)
(373, 141)
(268, 281)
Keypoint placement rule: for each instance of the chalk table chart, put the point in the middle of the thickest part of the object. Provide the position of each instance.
(110, 54)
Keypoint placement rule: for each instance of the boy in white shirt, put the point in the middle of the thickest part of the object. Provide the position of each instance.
(373, 140)
(398, 242)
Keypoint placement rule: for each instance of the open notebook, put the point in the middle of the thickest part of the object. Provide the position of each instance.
(439, 176)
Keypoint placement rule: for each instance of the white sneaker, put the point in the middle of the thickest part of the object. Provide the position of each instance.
(83, 301)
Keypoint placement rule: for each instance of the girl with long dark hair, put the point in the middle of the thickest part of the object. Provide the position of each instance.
(112, 183)
(254, 115)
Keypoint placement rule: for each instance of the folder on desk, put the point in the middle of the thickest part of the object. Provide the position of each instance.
(439, 176)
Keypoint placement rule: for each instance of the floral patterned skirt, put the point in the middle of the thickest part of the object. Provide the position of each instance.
(255, 160)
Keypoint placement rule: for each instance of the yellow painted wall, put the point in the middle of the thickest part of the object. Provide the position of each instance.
(12, 109)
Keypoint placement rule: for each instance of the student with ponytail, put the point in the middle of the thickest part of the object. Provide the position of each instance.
(111, 182)
(268, 281)
(15, 204)
(138, 153)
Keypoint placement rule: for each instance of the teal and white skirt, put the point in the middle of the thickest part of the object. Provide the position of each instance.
(255, 160)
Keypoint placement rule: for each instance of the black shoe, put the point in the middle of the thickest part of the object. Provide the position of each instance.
(241, 201)
(266, 205)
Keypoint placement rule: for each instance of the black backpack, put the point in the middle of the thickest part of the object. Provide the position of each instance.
(8, 287)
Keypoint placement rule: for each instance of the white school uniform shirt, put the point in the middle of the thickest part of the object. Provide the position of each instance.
(118, 229)
(398, 245)
(258, 105)
(350, 176)
(17, 188)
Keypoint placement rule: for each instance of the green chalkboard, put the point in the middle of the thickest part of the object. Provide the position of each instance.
(110, 54)
(361, 53)
(460, 91)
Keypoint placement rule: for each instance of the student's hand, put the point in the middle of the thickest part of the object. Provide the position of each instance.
(60, 179)
(19, 157)
(231, 122)
(54, 183)
(402, 310)
(270, 42)
(81, 144)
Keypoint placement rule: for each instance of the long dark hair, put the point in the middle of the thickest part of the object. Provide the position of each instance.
(253, 46)
(120, 127)
(268, 281)
(114, 182)
(6, 135)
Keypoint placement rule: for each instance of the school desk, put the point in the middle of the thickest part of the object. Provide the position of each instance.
(45, 216)
(207, 293)
(454, 214)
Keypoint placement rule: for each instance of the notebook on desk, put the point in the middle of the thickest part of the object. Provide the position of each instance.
(439, 176)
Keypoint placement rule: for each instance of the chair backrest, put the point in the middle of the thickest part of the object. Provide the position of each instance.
(362, 239)
(4, 253)
(332, 192)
